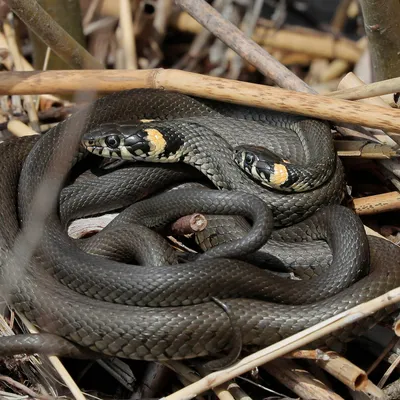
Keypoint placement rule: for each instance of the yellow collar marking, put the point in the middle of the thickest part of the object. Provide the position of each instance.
(280, 175)
(156, 141)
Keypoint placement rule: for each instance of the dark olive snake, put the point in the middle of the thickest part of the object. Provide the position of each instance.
(156, 312)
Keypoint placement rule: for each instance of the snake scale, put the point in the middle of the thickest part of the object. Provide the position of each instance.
(47, 285)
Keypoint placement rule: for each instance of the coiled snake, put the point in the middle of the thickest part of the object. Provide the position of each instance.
(155, 313)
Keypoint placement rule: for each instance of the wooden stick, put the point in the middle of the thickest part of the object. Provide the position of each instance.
(291, 343)
(299, 381)
(376, 204)
(234, 38)
(189, 224)
(380, 88)
(51, 33)
(203, 86)
(300, 40)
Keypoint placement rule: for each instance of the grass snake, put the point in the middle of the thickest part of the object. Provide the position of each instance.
(93, 317)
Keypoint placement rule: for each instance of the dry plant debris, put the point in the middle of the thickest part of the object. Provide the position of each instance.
(307, 46)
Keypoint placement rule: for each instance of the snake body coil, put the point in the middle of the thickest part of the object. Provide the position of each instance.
(167, 325)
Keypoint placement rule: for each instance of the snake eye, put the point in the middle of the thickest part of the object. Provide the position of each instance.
(112, 141)
(249, 158)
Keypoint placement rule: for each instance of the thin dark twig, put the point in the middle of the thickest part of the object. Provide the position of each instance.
(24, 388)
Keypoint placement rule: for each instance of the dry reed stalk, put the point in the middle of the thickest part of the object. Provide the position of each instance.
(388, 372)
(376, 204)
(352, 81)
(372, 392)
(334, 70)
(235, 39)
(392, 166)
(299, 380)
(364, 149)
(383, 354)
(19, 129)
(204, 86)
(109, 8)
(228, 390)
(306, 354)
(396, 327)
(26, 66)
(289, 58)
(127, 34)
(340, 17)
(339, 367)
(58, 366)
(11, 382)
(29, 105)
(375, 89)
(289, 344)
(343, 370)
(90, 12)
(306, 41)
(338, 67)
(236, 391)
(192, 376)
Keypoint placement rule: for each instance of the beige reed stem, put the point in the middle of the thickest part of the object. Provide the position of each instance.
(204, 86)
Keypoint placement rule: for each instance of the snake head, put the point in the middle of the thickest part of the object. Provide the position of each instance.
(144, 141)
(264, 166)
(121, 141)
